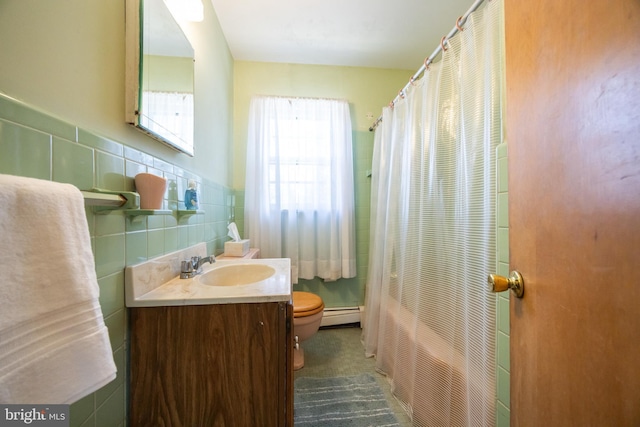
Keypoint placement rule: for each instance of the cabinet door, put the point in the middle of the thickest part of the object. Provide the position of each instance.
(214, 365)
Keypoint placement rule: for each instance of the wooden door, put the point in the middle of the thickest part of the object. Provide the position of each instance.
(573, 131)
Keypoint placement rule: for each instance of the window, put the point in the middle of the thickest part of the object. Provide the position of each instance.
(169, 115)
(299, 199)
(300, 165)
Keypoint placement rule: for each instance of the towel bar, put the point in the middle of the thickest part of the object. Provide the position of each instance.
(111, 200)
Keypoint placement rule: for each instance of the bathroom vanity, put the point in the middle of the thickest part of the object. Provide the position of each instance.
(210, 354)
(212, 365)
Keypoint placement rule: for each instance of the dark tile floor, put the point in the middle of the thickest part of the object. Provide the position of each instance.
(338, 352)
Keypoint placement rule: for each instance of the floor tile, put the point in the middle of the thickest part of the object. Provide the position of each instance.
(338, 352)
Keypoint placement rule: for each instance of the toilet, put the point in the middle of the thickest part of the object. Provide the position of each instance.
(307, 315)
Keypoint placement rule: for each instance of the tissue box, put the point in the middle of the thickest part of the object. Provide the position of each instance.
(236, 248)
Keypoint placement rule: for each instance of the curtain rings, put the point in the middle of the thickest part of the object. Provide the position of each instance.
(401, 93)
(427, 62)
(444, 49)
(412, 81)
(458, 24)
(392, 104)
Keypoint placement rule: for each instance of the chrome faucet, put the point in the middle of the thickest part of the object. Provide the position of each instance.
(193, 266)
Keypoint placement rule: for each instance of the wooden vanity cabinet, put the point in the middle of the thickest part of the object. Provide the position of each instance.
(212, 365)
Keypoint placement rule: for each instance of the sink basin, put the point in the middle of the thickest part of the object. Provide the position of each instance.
(237, 274)
(157, 282)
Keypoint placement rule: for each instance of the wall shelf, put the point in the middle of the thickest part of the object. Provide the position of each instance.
(147, 212)
(188, 212)
(105, 201)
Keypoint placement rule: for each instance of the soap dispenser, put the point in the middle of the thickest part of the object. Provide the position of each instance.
(191, 196)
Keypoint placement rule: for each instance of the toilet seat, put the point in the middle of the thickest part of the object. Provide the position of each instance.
(306, 304)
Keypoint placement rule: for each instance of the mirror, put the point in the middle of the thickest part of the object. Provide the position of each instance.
(159, 75)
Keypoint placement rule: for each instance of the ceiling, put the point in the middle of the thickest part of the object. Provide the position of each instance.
(397, 34)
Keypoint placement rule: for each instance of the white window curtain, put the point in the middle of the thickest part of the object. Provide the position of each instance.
(299, 193)
(429, 319)
(169, 114)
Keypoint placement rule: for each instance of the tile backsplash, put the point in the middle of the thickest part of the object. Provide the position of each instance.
(503, 405)
(39, 145)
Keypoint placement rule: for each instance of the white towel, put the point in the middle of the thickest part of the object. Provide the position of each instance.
(54, 345)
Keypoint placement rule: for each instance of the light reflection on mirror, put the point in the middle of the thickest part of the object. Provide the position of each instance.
(163, 89)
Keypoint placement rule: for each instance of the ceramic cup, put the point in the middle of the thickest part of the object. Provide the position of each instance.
(151, 189)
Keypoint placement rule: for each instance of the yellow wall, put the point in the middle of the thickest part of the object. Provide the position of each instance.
(66, 57)
(167, 74)
(366, 89)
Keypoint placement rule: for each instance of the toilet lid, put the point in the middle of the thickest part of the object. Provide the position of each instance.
(306, 304)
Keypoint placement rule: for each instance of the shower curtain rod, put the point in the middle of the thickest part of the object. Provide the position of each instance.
(458, 27)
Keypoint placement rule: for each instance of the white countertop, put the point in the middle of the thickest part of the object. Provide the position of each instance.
(140, 292)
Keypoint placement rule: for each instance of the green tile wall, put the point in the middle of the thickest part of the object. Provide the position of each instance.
(38, 145)
(502, 370)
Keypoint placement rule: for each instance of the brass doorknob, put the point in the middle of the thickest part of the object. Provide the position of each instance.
(515, 282)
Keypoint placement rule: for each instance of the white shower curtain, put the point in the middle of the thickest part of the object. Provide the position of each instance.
(299, 197)
(430, 321)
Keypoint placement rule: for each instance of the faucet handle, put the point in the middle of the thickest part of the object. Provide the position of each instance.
(186, 269)
(186, 266)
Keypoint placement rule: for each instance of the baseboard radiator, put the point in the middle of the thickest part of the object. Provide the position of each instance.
(342, 316)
